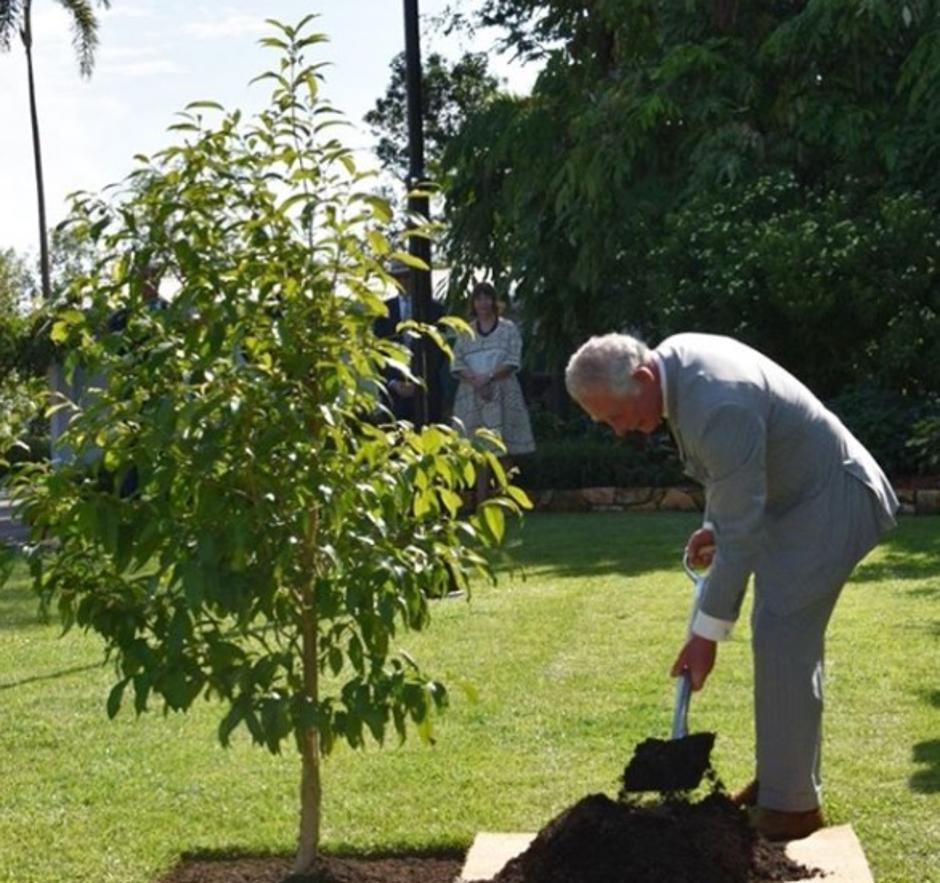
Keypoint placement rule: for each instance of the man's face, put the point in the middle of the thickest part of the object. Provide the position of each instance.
(626, 412)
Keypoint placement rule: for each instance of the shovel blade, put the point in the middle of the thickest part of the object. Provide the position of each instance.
(669, 764)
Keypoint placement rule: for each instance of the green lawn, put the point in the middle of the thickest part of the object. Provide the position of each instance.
(568, 661)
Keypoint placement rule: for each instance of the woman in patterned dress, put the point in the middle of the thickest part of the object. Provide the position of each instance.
(488, 392)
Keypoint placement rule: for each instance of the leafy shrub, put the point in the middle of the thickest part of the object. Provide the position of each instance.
(886, 422)
(839, 286)
(561, 464)
(924, 442)
(22, 428)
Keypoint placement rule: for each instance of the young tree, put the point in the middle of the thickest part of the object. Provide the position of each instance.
(16, 16)
(282, 531)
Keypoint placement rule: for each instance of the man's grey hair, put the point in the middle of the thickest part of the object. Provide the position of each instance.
(606, 362)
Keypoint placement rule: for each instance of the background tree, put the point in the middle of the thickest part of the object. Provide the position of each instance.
(282, 533)
(16, 17)
(20, 386)
(449, 91)
(645, 105)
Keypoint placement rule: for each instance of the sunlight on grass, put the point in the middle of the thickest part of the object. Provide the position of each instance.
(568, 661)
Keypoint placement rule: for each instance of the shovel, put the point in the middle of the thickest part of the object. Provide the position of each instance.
(680, 762)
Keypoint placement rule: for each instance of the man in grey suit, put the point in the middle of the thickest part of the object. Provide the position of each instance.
(791, 496)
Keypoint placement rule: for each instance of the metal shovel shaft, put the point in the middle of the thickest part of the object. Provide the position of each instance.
(676, 764)
(680, 712)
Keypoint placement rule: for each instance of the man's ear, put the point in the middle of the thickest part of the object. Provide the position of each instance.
(644, 375)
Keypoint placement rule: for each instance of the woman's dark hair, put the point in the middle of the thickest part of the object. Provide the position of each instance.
(483, 289)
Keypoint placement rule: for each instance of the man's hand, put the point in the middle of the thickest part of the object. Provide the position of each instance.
(700, 548)
(697, 657)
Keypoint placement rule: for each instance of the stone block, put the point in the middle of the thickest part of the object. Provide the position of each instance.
(633, 497)
(928, 502)
(678, 500)
(598, 496)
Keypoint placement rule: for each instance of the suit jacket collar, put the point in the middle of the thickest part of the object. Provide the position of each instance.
(669, 378)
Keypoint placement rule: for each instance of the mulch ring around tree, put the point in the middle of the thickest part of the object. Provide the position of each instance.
(419, 868)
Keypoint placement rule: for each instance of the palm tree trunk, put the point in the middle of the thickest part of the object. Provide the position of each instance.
(27, 35)
(56, 381)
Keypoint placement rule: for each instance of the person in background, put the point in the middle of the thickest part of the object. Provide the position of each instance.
(791, 496)
(402, 393)
(488, 392)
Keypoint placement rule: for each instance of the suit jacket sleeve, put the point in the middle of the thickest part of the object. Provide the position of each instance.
(732, 448)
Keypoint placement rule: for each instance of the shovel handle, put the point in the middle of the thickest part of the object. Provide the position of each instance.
(680, 712)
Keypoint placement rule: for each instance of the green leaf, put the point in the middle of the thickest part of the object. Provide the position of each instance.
(229, 722)
(209, 105)
(60, 332)
(409, 260)
(494, 520)
(379, 243)
(115, 697)
(519, 495)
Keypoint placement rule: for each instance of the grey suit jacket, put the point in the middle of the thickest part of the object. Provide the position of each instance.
(776, 465)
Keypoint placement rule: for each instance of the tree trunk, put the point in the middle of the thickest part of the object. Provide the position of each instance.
(56, 381)
(308, 845)
(27, 35)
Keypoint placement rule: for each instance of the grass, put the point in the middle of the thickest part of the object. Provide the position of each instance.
(568, 661)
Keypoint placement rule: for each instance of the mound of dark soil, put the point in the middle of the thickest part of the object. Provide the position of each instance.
(599, 840)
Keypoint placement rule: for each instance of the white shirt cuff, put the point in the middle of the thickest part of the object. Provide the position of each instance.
(711, 627)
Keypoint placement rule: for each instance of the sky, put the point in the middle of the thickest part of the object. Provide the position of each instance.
(154, 57)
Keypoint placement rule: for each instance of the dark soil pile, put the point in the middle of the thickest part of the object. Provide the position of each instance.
(669, 764)
(331, 869)
(599, 840)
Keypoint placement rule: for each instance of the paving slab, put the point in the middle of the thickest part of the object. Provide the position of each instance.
(835, 850)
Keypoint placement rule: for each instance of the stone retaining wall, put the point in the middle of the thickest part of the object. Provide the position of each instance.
(681, 499)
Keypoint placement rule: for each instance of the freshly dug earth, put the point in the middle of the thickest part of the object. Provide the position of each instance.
(332, 869)
(599, 840)
(669, 764)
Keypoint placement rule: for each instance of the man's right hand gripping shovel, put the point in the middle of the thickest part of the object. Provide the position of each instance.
(697, 656)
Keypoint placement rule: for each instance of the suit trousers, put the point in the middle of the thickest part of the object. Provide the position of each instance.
(789, 652)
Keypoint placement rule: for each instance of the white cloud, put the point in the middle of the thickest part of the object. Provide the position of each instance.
(140, 68)
(125, 11)
(109, 53)
(233, 25)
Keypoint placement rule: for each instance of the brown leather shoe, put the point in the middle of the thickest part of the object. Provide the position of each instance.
(747, 796)
(775, 824)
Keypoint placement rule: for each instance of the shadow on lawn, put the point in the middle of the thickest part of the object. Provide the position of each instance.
(19, 608)
(927, 780)
(595, 544)
(52, 676)
(910, 552)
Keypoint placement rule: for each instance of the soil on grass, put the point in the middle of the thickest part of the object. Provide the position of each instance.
(599, 840)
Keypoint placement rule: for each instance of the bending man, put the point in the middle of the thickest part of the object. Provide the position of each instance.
(791, 496)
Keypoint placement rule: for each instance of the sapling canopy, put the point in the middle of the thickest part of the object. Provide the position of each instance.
(241, 519)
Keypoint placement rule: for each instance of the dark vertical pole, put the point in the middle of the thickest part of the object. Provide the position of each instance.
(419, 246)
